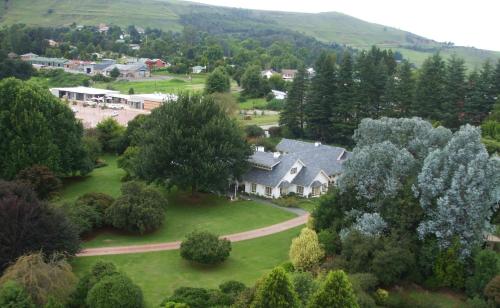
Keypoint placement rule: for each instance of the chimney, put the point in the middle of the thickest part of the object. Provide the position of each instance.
(259, 149)
(276, 154)
(317, 144)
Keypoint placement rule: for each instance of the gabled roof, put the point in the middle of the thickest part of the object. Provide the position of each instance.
(272, 178)
(127, 67)
(265, 159)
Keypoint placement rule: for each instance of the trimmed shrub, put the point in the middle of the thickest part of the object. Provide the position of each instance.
(115, 291)
(139, 209)
(232, 287)
(305, 251)
(193, 297)
(205, 248)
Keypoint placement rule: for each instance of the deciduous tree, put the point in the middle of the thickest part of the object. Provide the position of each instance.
(305, 251)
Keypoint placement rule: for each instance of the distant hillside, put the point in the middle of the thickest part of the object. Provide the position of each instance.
(173, 14)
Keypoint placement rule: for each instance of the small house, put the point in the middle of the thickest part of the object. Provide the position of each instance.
(198, 69)
(288, 75)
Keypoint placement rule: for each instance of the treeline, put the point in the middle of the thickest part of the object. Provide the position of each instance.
(373, 84)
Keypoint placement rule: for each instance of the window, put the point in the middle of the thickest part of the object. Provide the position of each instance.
(316, 191)
(294, 170)
(269, 191)
(325, 187)
(254, 188)
(300, 190)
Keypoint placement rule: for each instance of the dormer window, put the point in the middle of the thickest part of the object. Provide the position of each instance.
(294, 170)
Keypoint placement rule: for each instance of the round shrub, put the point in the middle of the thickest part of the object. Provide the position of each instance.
(232, 287)
(275, 131)
(12, 295)
(138, 209)
(115, 291)
(205, 248)
(305, 251)
(192, 297)
(42, 179)
(254, 131)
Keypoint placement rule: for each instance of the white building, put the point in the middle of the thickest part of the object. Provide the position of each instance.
(306, 169)
(81, 94)
(198, 69)
(279, 94)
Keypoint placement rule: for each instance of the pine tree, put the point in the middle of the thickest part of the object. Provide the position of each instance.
(455, 88)
(322, 98)
(336, 292)
(344, 114)
(275, 291)
(496, 79)
(400, 92)
(474, 100)
(292, 116)
(430, 92)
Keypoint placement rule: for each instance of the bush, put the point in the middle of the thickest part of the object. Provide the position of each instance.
(174, 305)
(288, 267)
(304, 285)
(305, 251)
(87, 213)
(98, 271)
(193, 297)
(275, 104)
(140, 209)
(330, 241)
(232, 287)
(254, 131)
(492, 290)
(276, 291)
(358, 250)
(479, 302)
(364, 281)
(274, 131)
(381, 296)
(42, 179)
(12, 295)
(110, 135)
(335, 292)
(486, 266)
(392, 262)
(115, 291)
(40, 278)
(449, 269)
(288, 201)
(205, 248)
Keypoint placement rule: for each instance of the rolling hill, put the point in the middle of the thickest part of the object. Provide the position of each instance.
(173, 14)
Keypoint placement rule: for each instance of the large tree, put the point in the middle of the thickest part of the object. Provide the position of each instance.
(37, 128)
(400, 91)
(344, 114)
(455, 87)
(459, 189)
(27, 225)
(218, 82)
(321, 98)
(430, 92)
(292, 116)
(194, 144)
(253, 84)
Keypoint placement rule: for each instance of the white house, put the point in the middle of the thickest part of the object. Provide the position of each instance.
(198, 69)
(288, 75)
(279, 94)
(267, 73)
(304, 168)
(81, 93)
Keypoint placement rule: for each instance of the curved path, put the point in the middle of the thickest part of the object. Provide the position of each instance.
(236, 237)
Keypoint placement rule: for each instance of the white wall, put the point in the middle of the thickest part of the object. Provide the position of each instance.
(261, 190)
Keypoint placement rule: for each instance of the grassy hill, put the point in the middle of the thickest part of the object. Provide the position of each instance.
(173, 14)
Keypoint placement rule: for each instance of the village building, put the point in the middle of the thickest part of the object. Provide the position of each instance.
(28, 56)
(81, 94)
(156, 63)
(268, 73)
(198, 69)
(154, 100)
(288, 75)
(280, 95)
(136, 70)
(40, 62)
(303, 168)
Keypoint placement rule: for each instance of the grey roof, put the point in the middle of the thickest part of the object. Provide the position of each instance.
(322, 157)
(315, 158)
(271, 178)
(265, 159)
(127, 67)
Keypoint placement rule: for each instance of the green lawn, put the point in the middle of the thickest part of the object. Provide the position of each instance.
(183, 215)
(266, 119)
(174, 85)
(253, 103)
(159, 273)
(211, 213)
(105, 180)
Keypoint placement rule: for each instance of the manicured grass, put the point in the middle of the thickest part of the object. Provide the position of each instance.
(159, 273)
(105, 180)
(266, 119)
(174, 85)
(211, 213)
(253, 103)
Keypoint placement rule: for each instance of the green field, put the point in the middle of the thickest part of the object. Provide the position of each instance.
(159, 273)
(253, 103)
(174, 85)
(266, 119)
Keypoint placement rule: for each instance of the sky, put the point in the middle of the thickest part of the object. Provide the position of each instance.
(463, 22)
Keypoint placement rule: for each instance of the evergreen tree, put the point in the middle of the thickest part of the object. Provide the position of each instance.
(305, 251)
(335, 292)
(322, 98)
(474, 100)
(344, 114)
(218, 82)
(275, 291)
(292, 116)
(455, 88)
(496, 79)
(430, 91)
(400, 92)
